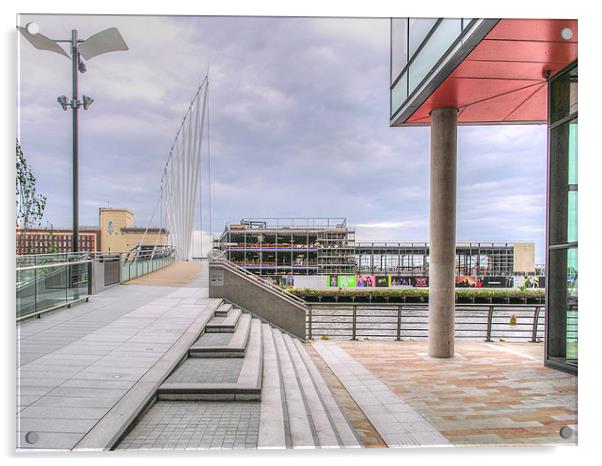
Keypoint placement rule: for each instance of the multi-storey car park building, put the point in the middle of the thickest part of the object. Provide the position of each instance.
(447, 72)
(472, 258)
(327, 246)
(290, 246)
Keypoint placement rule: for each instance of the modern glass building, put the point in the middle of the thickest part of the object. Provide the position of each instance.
(464, 71)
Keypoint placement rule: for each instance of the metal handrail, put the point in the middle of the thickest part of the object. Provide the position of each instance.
(51, 265)
(251, 276)
(234, 268)
(350, 324)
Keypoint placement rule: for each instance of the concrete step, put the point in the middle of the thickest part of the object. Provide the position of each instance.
(234, 348)
(251, 373)
(191, 385)
(343, 429)
(316, 410)
(271, 425)
(223, 310)
(224, 324)
(298, 421)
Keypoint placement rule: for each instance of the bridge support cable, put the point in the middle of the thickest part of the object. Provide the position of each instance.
(180, 181)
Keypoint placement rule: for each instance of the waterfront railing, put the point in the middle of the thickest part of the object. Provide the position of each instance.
(488, 322)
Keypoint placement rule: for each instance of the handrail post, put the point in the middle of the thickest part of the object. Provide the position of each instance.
(310, 320)
(535, 323)
(35, 286)
(89, 272)
(68, 279)
(489, 323)
(354, 324)
(399, 323)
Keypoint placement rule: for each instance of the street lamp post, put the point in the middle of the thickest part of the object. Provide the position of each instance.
(109, 40)
(75, 148)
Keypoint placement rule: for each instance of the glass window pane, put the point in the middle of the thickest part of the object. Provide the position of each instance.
(562, 305)
(563, 187)
(419, 29)
(399, 46)
(572, 226)
(572, 304)
(399, 93)
(443, 37)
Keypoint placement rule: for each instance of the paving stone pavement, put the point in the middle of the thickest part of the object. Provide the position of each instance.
(490, 393)
(207, 370)
(364, 430)
(396, 422)
(79, 362)
(214, 339)
(180, 425)
(38, 337)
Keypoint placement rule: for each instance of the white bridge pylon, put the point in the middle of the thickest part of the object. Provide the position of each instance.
(180, 180)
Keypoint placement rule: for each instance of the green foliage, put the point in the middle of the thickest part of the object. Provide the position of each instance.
(51, 249)
(30, 205)
(419, 294)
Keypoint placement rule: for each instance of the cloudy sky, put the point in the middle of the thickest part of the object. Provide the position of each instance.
(299, 128)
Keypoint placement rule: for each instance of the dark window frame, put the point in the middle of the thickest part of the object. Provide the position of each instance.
(556, 362)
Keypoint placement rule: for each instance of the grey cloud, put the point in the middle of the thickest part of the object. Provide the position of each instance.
(299, 127)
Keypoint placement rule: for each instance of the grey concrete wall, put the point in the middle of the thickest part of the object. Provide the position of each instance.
(268, 305)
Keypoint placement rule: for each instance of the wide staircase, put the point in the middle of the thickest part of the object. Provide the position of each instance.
(243, 384)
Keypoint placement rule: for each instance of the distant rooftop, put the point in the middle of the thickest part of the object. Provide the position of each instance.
(292, 222)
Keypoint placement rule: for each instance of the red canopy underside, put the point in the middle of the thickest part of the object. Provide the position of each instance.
(502, 79)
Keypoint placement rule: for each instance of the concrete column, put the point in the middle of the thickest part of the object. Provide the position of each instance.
(442, 232)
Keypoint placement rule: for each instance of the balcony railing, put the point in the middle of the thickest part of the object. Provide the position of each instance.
(135, 264)
(49, 281)
(45, 282)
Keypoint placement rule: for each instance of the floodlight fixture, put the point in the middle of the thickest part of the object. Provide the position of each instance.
(62, 100)
(106, 41)
(87, 101)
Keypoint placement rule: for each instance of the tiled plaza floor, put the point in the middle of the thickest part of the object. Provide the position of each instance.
(490, 393)
(180, 425)
(207, 370)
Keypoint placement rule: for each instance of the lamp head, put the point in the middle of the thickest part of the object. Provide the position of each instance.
(87, 101)
(62, 100)
(81, 66)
